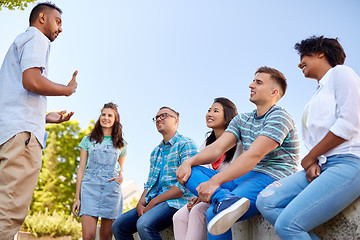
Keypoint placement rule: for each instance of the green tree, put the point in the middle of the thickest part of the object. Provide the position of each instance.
(132, 204)
(55, 189)
(15, 4)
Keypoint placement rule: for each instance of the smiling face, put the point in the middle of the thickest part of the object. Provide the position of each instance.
(262, 89)
(167, 125)
(51, 23)
(107, 118)
(215, 117)
(310, 64)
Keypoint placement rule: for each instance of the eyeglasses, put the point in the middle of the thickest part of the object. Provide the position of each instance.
(162, 117)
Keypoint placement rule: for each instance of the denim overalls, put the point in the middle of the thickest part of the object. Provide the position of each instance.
(99, 196)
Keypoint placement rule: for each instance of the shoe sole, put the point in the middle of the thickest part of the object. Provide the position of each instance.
(227, 217)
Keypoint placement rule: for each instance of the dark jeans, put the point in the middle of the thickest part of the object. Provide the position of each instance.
(148, 225)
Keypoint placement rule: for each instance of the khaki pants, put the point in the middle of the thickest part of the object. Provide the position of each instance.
(20, 164)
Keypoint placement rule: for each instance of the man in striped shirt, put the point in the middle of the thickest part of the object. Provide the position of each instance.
(271, 145)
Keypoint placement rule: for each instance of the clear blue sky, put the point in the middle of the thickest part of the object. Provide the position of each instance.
(146, 54)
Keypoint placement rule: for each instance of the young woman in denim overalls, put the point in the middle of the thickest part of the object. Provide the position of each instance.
(98, 189)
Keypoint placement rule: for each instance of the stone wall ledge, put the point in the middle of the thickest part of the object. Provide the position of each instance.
(344, 226)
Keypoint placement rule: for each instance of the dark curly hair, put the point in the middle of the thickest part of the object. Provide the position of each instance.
(116, 134)
(330, 47)
(230, 112)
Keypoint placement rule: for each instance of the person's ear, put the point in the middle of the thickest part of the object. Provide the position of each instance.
(41, 17)
(275, 92)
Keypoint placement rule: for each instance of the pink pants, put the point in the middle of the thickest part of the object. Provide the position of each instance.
(191, 225)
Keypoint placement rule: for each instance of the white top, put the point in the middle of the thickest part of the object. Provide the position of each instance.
(239, 150)
(21, 110)
(335, 107)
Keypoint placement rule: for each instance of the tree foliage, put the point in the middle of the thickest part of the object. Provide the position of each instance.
(132, 204)
(15, 4)
(55, 189)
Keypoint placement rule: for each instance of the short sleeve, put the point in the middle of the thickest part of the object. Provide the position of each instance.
(277, 126)
(34, 52)
(85, 143)
(234, 127)
(123, 150)
(188, 150)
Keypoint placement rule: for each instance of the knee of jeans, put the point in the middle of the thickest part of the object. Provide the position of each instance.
(115, 227)
(195, 167)
(269, 190)
(264, 197)
(120, 225)
(286, 225)
(142, 224)
(281, 226)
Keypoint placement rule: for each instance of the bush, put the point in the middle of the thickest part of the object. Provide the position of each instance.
(130, 205)
(57, 224)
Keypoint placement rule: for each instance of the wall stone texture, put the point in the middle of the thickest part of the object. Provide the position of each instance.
(344, 226)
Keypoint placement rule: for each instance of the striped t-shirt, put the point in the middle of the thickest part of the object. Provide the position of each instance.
(277, 125)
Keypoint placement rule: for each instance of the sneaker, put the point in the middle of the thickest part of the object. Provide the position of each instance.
(227, 213)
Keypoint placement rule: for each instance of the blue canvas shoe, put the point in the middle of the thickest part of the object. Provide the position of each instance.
(227, 213)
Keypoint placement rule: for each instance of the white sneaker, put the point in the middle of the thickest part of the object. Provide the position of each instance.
(227, 212)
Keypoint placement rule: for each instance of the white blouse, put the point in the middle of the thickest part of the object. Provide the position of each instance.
(335, 107)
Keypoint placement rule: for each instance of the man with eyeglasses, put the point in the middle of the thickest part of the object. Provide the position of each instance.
(162, 195)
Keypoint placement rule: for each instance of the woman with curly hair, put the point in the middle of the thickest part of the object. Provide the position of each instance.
(330, 180)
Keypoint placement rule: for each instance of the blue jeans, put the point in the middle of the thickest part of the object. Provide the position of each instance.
(148, 225)
(247, 186)
(295, 206)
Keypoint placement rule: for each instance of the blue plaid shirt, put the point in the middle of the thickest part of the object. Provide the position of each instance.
(164, 161)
